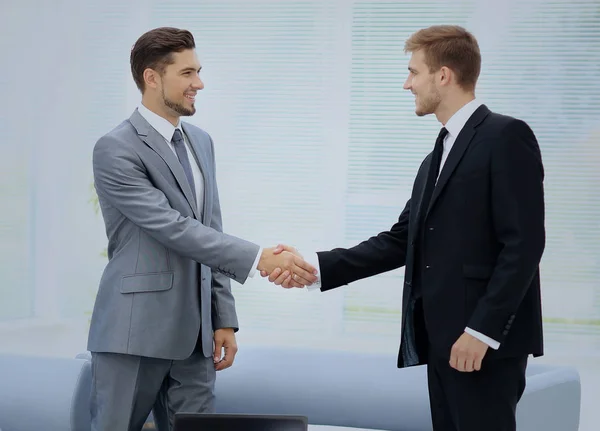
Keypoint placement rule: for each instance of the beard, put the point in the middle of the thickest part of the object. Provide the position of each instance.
(428, 103)
(178, 107)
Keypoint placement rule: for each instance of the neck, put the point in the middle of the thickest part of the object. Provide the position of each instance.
(159, 109)
(452, 104)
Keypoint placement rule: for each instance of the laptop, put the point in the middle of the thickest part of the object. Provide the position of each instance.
(234, 422)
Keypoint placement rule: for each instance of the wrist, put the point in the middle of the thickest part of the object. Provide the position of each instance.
(261, 266)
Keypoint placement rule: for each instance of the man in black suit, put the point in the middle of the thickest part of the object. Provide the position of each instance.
(471, 237)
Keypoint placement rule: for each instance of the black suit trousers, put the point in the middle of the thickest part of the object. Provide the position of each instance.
(484, 400)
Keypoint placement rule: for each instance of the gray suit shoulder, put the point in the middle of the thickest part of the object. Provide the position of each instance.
(119, 135)
(117, 144)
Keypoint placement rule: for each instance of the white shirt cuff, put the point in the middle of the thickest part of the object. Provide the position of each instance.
(313, 259)
(484, 338)
(255, 264)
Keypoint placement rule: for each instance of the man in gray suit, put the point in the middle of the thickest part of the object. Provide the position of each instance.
(164, 309)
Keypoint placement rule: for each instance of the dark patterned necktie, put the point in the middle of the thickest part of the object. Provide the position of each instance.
(434, 170)
(179, 145)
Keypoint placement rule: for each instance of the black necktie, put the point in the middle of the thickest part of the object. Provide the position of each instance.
(179, 145)
(434, 169)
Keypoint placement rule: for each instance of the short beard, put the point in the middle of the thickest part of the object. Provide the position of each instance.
(430, 104)
(177, 107)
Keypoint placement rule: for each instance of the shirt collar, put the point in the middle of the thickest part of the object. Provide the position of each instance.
(160, 124)
(460, 117)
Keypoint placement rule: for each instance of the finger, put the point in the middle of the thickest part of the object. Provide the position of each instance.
(303, 277)
(298, 281)
(264, 273)
(228, 359)
(279, 281)
(477, 364)
(273, 275)
(294, 283)
(223, 364)
(469, 365)
(217, 351)
(305, 268)
(287, 248)
(453, 359)
(287, 282)
(279, 249)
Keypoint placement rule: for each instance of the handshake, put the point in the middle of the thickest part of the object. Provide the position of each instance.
(286, 267)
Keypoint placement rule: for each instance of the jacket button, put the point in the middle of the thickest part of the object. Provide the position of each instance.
(504, 332)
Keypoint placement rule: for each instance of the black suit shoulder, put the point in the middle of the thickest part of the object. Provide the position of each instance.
(510, 137)
(501, 124)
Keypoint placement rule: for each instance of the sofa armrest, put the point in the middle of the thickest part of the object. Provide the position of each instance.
(551, 401)
(39, 393)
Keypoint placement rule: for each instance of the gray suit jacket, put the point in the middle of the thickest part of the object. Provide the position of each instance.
(167, 274)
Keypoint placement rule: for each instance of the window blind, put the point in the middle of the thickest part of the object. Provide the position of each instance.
(318, 144)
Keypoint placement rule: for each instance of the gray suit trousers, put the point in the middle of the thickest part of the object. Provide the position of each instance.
(126, 388)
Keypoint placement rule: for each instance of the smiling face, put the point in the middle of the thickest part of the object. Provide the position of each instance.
(422, 84)
(173, 92)
(180, 82)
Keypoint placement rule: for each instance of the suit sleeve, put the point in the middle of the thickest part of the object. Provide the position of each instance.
(517, 199)
(381, 253)
(121, 181)
(223, 303)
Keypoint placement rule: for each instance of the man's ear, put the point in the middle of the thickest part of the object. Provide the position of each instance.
(151, 78)
(445, 75)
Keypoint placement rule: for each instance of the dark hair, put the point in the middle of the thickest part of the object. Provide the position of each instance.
(451, 46)
(154, 50)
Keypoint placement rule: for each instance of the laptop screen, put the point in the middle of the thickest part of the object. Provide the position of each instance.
(224, 422)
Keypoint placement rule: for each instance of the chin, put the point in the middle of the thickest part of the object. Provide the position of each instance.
(421, 112)
(187, 112)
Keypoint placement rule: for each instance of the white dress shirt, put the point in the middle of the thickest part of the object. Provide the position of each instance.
(166, 130)
(454, 126)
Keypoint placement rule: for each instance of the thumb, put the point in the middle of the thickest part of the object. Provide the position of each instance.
(217, 352)
(283, 247)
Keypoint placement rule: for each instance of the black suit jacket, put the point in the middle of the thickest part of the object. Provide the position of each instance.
(481, 239)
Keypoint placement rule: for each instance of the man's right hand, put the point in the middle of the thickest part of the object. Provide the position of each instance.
(286, 260)
(284, 278)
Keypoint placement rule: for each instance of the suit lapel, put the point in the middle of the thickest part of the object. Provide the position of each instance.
(198, 155)
(461, 144)
(423, 182)
(155, 141)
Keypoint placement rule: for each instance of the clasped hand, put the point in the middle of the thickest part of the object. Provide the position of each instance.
(467, 353)
(285, 266)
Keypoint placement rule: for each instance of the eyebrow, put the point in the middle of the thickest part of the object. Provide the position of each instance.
(190, 69)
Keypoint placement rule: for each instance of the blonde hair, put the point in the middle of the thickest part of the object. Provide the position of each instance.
(451, 46)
